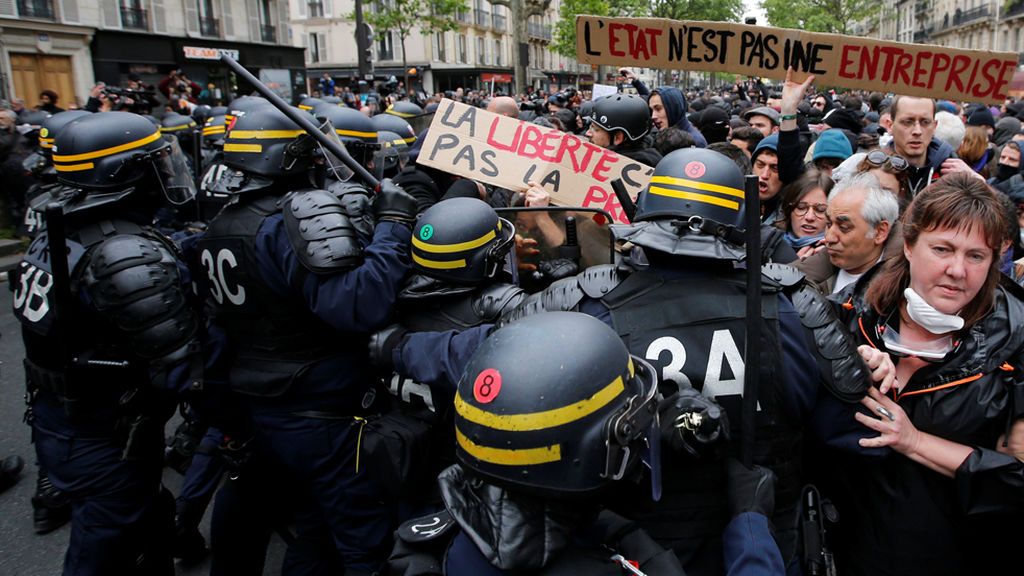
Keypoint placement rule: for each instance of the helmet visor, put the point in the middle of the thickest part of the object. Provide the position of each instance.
(35, 163)
(336, 169)
(173, 174)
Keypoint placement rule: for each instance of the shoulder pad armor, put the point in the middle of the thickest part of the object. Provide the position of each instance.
(426, 528)
(565, 295)
(494, 300)
(320, 231)
(597, 281)
(784, 275)
(135, 282)
(844, 371)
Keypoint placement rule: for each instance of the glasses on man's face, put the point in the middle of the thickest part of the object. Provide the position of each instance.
(894, 161)
(925, 123)
(819, 104)
(801, 208)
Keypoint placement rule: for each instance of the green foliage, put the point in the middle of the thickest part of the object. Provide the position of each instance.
(833, 16)
(711, 10)
(401, 16)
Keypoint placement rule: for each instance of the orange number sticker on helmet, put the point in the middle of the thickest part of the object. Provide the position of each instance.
(695, 169)
(487, 386)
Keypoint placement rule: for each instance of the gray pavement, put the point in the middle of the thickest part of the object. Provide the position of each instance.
(22, 552)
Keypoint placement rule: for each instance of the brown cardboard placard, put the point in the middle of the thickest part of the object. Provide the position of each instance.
(508, 152)
(835, 60)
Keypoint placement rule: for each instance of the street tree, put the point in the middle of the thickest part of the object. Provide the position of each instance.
(402, 16)
(832, 16)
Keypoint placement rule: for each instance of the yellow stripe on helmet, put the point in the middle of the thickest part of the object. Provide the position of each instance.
(108, 151)
(264, 134)
(355, 133)
(177, 128)
(449, 248)
(698, 185)
(229, 147)
(541, 420)
(214, 130)
(439, 264)
(73, 167)
(705, 198)
(509, 457)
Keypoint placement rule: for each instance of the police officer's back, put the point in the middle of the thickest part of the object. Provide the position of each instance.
(101, 345)
(297, 289)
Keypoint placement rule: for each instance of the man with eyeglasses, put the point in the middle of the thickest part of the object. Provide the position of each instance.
(913, 131)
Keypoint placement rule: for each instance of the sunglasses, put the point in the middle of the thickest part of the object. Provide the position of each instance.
(801, 208)
(894, 161)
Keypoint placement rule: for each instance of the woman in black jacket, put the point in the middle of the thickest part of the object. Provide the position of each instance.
(947, 497)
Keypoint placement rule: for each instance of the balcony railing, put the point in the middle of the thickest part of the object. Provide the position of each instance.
(36, 9)
(921, 36)
(499, 22)
(209, 27)
(483, 18)
(268, 33)
(1015, 10)
(979, 13)
(134, 18)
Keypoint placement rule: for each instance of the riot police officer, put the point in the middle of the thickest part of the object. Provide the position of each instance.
(109, 340)
(40, 165)
(460, 249)
(622, 124)
(685, 313)
(297, 290)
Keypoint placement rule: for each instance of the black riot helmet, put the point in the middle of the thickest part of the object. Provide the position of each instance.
(243, 104)
(393, 123)
(626, 113)
(214, 131)
(267, 143)
(692, 206)
(555, 405)
(309, 104)
(355, 130)
(404, 109)
(39, 162)
(218, 111)
(115, 154)
(180, 127)
(461, 240)
(392, 155)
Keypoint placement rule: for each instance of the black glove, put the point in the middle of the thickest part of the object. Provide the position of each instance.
(558, 268)
(750, 489)
(383, 343)
(692, 421)
(393, 204)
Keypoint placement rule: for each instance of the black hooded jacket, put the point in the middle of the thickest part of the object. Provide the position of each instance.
(899, 517)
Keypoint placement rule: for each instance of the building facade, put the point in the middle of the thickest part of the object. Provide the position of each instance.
(479, 52)
(971, 24)
(67, 45)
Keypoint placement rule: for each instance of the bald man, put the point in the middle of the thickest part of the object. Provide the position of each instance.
(504, 105)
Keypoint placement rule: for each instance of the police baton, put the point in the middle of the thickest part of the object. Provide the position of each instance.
(304, 121)
(57, 245)
(752, 365)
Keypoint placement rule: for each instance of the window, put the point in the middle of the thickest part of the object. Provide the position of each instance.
(1016, 41)
(497, 52)
(440, 47)
(316, 9)
(317, 47)
(385, 47)
(481, 51)
(462, 49)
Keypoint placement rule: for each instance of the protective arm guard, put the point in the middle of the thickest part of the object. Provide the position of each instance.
(324, 238)
(565, 295)
(493, 301)
(135, 283)
(843, 370)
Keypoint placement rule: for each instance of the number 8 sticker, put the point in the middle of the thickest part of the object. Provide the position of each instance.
(487, 386)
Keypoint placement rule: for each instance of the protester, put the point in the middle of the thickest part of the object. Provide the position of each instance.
(804, 205)
(949, 485)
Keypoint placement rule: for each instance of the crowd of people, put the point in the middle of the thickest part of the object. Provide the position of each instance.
(404, 371)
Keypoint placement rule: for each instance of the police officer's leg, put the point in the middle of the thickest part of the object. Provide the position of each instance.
(197, 489)
(120, 520)
(321, 455)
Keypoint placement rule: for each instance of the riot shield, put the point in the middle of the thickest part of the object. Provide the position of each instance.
(555, 242)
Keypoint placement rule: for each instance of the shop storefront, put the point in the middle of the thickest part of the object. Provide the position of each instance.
(116, 55)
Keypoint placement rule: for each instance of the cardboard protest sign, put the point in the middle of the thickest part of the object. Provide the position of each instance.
(836, 60)
(507, 152)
